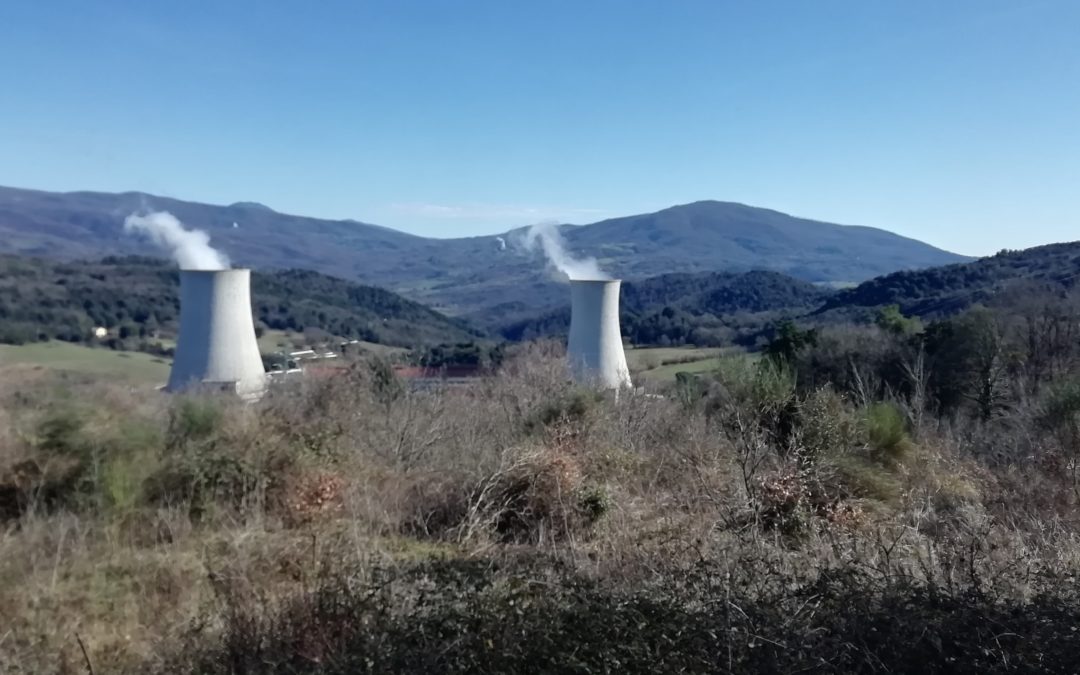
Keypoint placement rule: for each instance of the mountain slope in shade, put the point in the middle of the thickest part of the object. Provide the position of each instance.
(474, 275)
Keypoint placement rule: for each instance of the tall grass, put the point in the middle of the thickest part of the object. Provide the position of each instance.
(526, 525)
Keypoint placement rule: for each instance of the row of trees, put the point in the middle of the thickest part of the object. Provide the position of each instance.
(985, 360)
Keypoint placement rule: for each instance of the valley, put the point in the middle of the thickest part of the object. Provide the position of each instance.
(553, 338)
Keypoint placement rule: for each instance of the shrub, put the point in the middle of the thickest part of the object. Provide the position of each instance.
(60, 432)
(594, 501)
(385, 385)
(130, 454)
(857, 476)
(207, 463)
(826, 425)
(572, 407)
(886, 432)
(1060, 412)
(61, 475)
(483, 616)
(788, 341)
(193, 419)
(690, 388)
(536, 496)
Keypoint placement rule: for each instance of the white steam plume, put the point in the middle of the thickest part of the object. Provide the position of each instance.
(546, 237)
(190, 248)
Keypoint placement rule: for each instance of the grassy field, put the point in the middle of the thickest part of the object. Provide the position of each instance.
(133, 367)
(659, 364)
(67, 357)
(667, 373)
(662, 363)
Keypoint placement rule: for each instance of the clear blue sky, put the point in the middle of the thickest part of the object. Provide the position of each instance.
(956, 122)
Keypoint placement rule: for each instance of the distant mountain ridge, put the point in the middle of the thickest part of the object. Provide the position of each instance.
(472, 276)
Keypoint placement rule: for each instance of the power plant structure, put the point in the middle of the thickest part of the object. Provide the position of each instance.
(217, 347)
(595, 348)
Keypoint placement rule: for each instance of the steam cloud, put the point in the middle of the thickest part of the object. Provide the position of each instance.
(546, 237)
(190, 248)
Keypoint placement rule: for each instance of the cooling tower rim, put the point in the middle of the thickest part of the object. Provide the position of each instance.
(595, 281)
(211, 272)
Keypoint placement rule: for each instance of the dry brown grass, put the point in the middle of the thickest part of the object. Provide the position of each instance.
(182, 508)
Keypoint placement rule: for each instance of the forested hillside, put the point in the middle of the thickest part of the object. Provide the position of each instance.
(939, 291)
(722, 292)
(137, 298)
(710, 309)
(706, 309)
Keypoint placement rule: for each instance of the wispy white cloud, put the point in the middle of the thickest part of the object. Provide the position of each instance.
(502, 212)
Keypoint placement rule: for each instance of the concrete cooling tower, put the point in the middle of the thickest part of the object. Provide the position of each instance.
(217, 346)
(595, 348)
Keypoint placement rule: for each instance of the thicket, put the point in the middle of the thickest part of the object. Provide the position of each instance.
(804, 511)
(475, 354)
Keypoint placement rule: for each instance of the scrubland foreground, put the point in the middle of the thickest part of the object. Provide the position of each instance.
(759, 520)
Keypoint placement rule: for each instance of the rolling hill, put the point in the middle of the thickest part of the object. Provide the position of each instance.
(472, 276)
(939, 291)
(136, 296)
(711, 235)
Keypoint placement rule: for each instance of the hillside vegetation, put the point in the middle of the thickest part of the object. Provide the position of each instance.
(721, 309)
(893, 498)
(705, 309)
(138, 298)
(944, 290)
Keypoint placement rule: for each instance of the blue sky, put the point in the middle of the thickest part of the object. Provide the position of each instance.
(955, 122)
